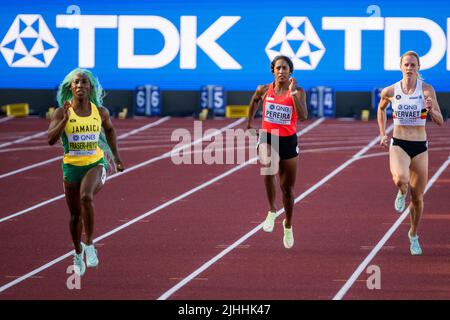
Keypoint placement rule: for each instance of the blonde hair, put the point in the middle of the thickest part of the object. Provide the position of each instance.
(414, 54)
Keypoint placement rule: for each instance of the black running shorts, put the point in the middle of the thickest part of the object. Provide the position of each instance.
(287, 146)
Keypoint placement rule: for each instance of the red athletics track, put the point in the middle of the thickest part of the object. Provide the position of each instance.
(35, 150)
(22, 227)
(50, 174)
(334, 225)
(45, 218)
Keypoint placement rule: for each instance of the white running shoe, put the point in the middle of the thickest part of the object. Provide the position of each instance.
(91, 256)
(270, 221)
(78, 262)
(415, 246)
(400, 202)
(288, 238)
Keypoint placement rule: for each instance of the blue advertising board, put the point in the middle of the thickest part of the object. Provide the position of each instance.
(322, 101)
(181, 45)
(147, 101)
(213, 98)
(314, 102)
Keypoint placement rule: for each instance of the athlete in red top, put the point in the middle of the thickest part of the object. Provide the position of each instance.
(283, 104)
(279, 113)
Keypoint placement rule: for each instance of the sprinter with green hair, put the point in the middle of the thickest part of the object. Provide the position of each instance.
(88, 137)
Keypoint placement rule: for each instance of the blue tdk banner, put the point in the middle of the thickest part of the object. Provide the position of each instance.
(182, 45)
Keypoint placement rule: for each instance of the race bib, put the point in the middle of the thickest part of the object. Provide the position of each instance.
(83, 144)
(409, 114)
(278, 113)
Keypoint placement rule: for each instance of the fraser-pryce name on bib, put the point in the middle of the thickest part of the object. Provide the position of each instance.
(83, 144)
(278, 113)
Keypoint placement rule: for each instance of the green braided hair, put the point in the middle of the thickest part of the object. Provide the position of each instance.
(96, 97)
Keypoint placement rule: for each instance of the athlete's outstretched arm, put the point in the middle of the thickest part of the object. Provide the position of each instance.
(111, 136)
(381, 115)
(300, 104)
(432, 105)
(254, 103)
(58, 123)
(299, 99)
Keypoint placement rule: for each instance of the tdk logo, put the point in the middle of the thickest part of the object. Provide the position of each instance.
(353, 28)
(28, 42)
(296, 38)
(183, 41)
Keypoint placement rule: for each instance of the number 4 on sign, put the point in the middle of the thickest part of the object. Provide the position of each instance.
(374, 280)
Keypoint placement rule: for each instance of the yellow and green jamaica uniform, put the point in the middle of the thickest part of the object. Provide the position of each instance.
(80, 142)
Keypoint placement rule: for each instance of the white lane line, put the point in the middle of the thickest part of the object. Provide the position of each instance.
(216, 258)
(168, 154)
(42, 163)
(385, 238)
(130, 169)
(23, 139)
(28, 148)
(147, 126)
(2, 176)
(176, 199)
(6, 119)
(41, 204)
(218, 149)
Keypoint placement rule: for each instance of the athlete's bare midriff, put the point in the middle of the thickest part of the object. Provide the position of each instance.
(410, 133)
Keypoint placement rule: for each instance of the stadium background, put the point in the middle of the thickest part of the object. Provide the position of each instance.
(246, 28)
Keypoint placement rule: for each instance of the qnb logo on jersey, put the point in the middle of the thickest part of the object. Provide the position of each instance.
(83, 137)
(296, 38)
(407, 107)
(28, 42)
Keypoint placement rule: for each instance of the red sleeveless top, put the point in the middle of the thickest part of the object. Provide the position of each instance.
(279, 113)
